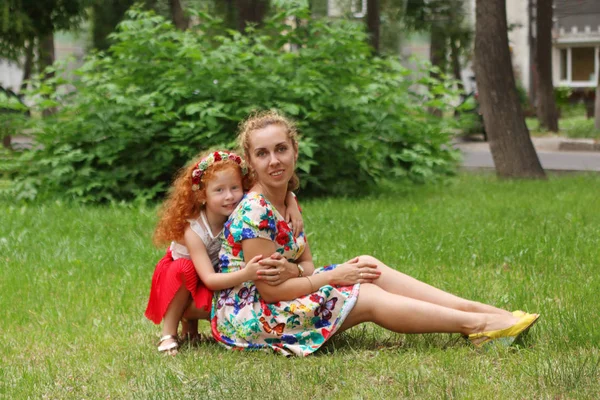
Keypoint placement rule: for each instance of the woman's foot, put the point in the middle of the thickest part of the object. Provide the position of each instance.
(507, 334)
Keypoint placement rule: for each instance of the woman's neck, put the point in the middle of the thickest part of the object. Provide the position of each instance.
(276, 196)
(215, 221)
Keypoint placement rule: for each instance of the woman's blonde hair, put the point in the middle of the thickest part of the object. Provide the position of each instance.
(183, 202)
(260, 120)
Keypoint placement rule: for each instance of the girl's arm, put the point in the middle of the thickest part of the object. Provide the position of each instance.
(345, 274)
(292, 213)
(216, 281)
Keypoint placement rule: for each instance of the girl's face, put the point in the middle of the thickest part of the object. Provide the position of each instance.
(272, 156)
(224, 191)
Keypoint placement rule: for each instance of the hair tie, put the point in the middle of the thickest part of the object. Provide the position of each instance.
(212, 158)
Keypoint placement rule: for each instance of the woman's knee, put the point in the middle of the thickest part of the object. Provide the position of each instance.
(369, 259)
(366, 304)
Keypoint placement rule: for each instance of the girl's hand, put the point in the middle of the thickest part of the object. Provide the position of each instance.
(253, 268)
(294, 217)
(354, 271)
(262, 273)
(278, 268)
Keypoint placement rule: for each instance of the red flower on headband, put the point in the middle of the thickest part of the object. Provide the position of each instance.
(217, 156)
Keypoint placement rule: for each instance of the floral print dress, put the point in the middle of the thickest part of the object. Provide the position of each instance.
(242, 320)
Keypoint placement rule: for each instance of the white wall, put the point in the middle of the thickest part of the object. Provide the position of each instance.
(10, 75)
(517, 14)
(64, 46)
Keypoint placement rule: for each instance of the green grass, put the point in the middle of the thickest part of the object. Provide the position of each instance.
(74, 283)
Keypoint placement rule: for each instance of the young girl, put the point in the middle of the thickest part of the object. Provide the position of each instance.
(191, 219)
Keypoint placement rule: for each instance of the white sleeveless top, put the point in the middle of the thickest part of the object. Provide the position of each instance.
(201, 227)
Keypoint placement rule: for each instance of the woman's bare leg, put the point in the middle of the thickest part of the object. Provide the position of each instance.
(408, 315)
(396, 282)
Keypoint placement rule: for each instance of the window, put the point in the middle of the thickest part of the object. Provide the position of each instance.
(358, 8)
(582, 63)
(578, 66)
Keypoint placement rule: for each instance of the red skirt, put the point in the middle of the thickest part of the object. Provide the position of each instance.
(168, 277)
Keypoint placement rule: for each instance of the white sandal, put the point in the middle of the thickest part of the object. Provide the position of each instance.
(170, 348)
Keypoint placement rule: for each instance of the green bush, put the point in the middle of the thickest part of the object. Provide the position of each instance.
(468, 121)
(579, 127)
(159, 95)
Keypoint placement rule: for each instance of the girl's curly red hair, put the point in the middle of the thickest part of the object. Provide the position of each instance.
(183, 203)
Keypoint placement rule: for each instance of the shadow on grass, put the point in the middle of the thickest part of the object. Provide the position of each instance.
(366, 339)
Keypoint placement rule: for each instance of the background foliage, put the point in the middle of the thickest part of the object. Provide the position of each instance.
(158, 96)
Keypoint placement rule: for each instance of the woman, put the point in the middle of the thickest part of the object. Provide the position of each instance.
(300, 314)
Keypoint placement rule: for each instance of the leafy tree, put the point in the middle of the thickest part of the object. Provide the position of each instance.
(160, 95)
(31, 23)
(451, 33)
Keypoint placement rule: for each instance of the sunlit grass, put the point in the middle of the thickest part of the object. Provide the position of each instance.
(74, 283)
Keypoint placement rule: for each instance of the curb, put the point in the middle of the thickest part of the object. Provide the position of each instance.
(579, 145)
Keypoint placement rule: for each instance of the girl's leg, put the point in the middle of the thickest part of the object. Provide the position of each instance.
(193, 313)
(189, 322)
(174, 313)
(398, 283)
(408, 315)
(189, 328)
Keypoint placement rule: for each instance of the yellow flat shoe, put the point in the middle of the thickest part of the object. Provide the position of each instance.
(506, 336)
(518, 313)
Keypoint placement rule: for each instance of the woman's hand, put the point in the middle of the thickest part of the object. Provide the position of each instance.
(354, 271)
(279, 269)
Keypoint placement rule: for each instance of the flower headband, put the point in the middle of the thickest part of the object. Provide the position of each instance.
(212, 158)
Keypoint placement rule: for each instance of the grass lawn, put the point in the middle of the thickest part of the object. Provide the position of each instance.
(74, 283)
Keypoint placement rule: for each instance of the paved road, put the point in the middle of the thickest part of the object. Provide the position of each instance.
(477, 155)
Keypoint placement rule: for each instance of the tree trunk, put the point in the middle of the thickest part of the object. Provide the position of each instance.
(28, 66)
(455, 57)
(104, 19)
(597, 104)
(251, 11)
(46, 52)
(373, 24)
(437, 57)
(46, 58)
(546, 110)
(179, 19)
(512, 150)
(533, 77)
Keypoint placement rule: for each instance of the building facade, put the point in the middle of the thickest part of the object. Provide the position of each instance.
(576, 43)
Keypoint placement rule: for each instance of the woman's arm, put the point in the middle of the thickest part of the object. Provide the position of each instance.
(286, 269)
(345, 274)
(216, 281)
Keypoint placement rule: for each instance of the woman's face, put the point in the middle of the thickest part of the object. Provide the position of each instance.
(272, 156)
